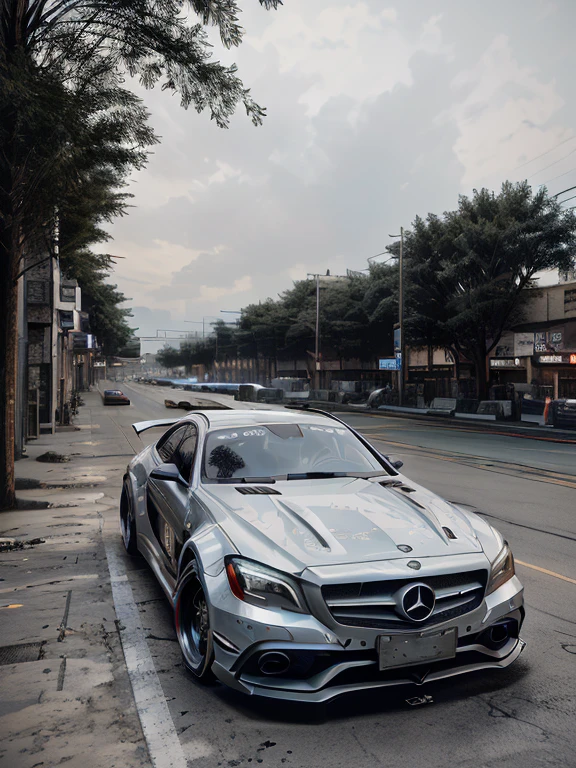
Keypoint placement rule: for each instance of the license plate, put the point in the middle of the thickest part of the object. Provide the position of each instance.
(406, 650)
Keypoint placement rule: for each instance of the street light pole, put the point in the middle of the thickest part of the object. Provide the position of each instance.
(317, 334)
(401, 317)
(318, 324)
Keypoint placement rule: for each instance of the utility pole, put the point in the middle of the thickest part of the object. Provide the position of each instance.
(317, 334)
(401, 320)
(318, 323)
(401, 316)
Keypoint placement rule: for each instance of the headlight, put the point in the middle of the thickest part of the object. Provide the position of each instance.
(264, 587)
(502, 569)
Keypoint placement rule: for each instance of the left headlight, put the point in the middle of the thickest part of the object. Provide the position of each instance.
(258, 585)
(502, 569)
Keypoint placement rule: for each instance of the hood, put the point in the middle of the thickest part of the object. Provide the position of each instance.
(340, 520)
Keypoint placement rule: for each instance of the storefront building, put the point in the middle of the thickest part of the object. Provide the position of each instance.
(541, 352)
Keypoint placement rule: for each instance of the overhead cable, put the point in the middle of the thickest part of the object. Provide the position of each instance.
(551, 164)
(560, 144)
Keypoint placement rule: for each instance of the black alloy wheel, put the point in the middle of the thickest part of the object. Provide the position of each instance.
(192, 619)
(127, 521)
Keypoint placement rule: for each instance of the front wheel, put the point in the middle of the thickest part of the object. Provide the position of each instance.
(127, 520)
(192, 620)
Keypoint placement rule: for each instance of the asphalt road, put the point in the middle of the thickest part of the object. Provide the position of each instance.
(524, 716)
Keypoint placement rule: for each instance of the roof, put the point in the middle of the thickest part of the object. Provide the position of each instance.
(238, 418)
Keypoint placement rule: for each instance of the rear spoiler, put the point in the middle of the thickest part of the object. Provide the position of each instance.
(142, 426)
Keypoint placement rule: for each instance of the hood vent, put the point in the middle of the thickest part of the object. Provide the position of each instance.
(449, 533)
(396, 484)
(258, 490)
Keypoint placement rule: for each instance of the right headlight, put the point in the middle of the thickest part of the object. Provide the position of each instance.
(262, 586)
(502, 569)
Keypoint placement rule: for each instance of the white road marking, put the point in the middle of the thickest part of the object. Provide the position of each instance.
(163, 743)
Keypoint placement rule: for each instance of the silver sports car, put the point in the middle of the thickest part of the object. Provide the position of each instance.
(301, 564)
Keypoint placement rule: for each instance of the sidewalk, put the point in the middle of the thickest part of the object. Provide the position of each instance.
(66, 696)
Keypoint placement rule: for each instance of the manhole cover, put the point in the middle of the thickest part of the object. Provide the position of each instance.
(17, 654)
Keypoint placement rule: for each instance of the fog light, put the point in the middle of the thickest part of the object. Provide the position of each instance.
(273, 663)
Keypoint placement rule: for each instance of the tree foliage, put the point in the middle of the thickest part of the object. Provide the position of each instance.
(65, 111)
(467, 270)
(465, 274)
(356, 317)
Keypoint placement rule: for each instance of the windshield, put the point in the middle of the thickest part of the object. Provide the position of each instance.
(280, 450)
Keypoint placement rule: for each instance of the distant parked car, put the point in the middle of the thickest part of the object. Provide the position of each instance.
(115, 397)
(563, 413)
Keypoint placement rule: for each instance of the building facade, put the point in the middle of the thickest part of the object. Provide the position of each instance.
(541, 351)
(55, 348)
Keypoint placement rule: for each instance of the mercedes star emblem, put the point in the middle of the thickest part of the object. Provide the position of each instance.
(415, 602)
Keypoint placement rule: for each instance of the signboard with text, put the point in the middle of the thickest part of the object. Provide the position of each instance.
(506, 362)
(390, 363)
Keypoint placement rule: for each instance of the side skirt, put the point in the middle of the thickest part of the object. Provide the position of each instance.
(153, 558)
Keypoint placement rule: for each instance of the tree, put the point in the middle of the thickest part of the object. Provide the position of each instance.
(467, 271)
(169, 357)
(55, 53)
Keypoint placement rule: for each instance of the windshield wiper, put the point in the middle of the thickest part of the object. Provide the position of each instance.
(237, 480)
(313, 475)
(323, 475)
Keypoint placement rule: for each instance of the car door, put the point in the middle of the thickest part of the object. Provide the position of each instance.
(167, 499)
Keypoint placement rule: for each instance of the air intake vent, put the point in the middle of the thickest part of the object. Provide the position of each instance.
(258, 490)
(449, 533)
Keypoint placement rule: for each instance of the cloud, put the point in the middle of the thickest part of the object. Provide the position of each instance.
(505, 114)
(213, 293)
(348, 50)
(375, 115)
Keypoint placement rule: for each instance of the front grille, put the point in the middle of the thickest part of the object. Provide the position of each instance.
(372, 603)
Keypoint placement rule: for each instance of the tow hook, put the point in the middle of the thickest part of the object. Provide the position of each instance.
(418, 701)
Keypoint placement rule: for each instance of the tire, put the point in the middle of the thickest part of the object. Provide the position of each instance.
(192, 621)
(128, 521)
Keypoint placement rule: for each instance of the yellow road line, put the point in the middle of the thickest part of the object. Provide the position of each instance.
(545, 570)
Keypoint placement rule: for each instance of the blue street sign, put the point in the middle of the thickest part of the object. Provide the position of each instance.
(390, 364)
(397, 340)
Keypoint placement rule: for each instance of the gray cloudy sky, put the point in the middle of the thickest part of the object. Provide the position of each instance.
(376, 112)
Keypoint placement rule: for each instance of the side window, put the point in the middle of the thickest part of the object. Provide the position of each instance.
(186, 452)
(167, 449)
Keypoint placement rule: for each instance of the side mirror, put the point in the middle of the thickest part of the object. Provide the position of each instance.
(397, 464)
(170, 473)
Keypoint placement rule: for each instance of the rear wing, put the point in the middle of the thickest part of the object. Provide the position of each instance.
(142, 426)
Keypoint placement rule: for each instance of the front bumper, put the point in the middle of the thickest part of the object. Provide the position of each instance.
(327, 661)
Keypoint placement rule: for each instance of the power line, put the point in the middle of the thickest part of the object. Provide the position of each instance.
(543, 153)
(557, 177)
(569, 189)
(568, 198)
(551, 164)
